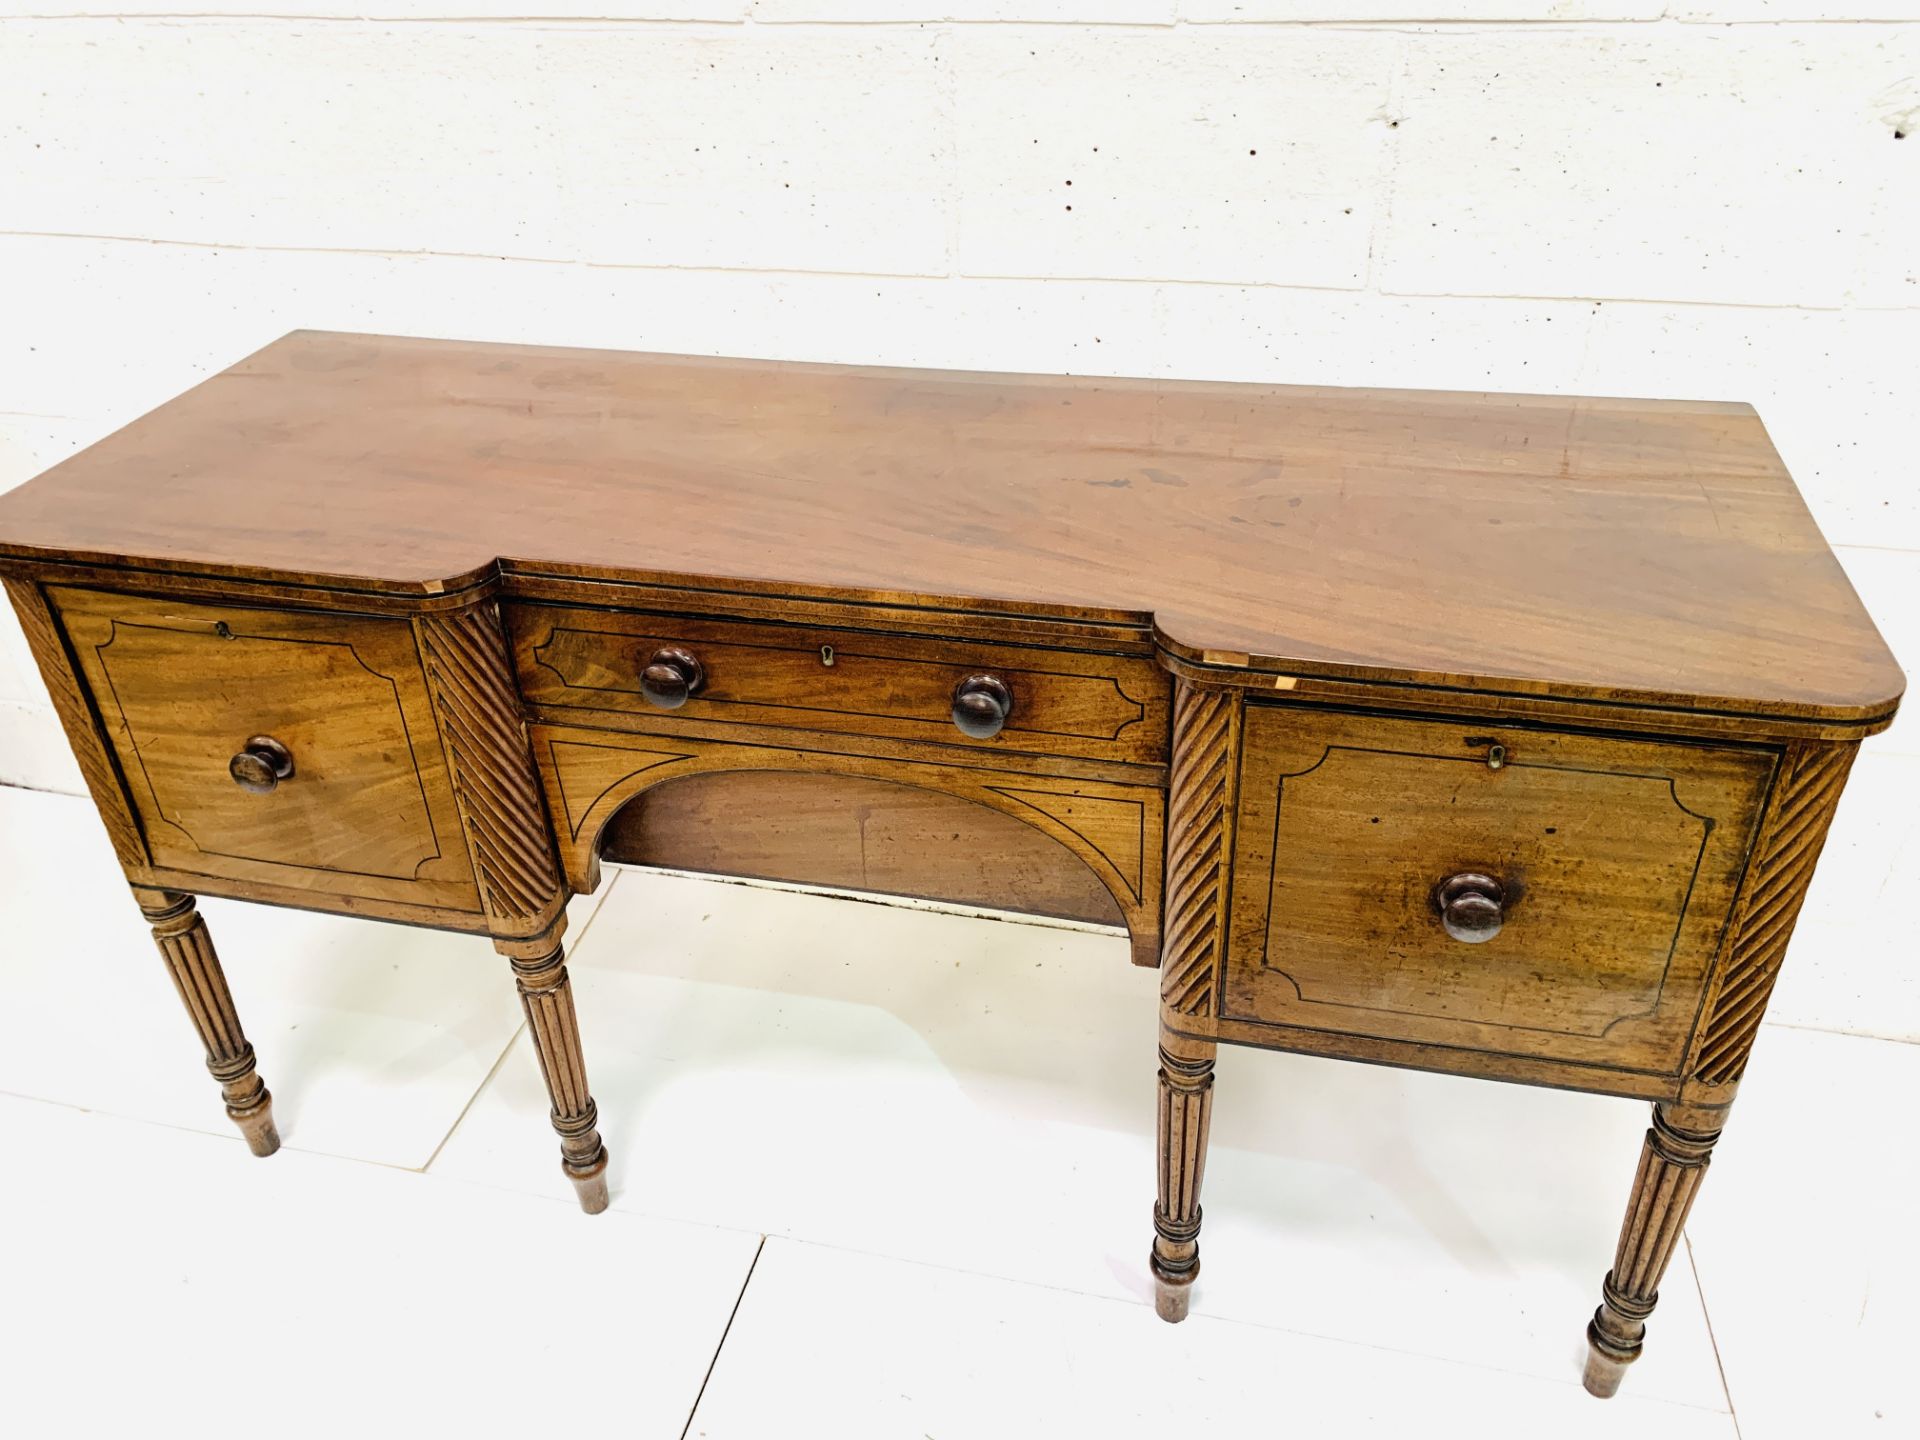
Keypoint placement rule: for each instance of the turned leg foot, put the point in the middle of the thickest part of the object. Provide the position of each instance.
(187, 948)
(1186, 1101)
(547, 996)
(1172, 1293)
(1604, 1372)
(256, 1119)
(1671, 1164)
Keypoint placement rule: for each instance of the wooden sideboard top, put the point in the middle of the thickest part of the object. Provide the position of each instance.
(1653, 551)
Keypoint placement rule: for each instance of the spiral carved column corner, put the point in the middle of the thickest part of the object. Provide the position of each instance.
(1805, 799)
(1206, 727)
(546, 994)
(187, 948)
(1672, 1162)
(1678, 1148)
(470, 674)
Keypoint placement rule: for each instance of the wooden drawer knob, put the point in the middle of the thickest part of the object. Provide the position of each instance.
(262, 763)
(671, 676)
(981, 705)
(1472, 907)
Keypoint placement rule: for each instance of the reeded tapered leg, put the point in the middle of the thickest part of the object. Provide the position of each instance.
(547, 996)
(1186, 1101)
(188, 950)
(1671, 1164)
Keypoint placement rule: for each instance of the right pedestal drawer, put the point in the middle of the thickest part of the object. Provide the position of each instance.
(1526, 892)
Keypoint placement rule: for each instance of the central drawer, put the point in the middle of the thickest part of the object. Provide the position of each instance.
(1536, 893)
(1062, 702)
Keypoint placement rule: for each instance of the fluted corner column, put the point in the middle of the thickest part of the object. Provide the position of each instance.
(1672, 1162)
(187, 948)
(1186, 1103)
(546, 994)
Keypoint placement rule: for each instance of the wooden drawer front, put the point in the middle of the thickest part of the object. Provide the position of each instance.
(1102, 707)
(1619, 860)
(180, 688)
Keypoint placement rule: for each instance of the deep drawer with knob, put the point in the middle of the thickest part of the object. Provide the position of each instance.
(1543, 893)
(289, 747)
(1030, 699)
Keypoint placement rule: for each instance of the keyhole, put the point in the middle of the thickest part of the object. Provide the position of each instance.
(826, 655)
(1496, 755)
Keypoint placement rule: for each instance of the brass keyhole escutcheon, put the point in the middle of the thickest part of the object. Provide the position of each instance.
(826, 656)
(1495, 751)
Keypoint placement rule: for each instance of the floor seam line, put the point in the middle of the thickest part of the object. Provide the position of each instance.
(732, 1315)
(478, 1090)
(1835, 1030)
(1712, 1339)
(1571, 1379)
(177, 1127)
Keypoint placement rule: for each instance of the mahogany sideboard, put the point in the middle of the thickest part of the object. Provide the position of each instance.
(1492, 734)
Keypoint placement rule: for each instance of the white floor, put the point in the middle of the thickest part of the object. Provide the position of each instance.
(876, 1172)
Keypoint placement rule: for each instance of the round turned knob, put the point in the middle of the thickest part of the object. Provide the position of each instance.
(981, 705)
(263, 762)
(1472, 907)
(671, 676)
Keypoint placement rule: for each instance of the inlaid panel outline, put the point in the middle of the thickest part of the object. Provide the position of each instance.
(941, 722)
(1138, 883)
(553, 760)
(1708, 825)
(1131, 899)
(1454, 1047)
(115, 625)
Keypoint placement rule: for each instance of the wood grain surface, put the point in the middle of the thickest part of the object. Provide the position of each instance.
(853, 833)
(1619, 861)
(1115, 831)
(1098, 706)
(181, 688)
(1646, 550)
(1503, 734)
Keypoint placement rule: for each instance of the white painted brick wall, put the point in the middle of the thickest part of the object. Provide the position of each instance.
(1189, 154)
(1737, 165)
(1657, 197)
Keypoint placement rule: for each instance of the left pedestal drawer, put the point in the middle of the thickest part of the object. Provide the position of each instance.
(294, 748)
